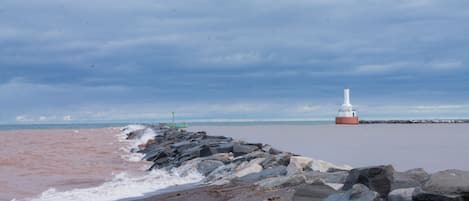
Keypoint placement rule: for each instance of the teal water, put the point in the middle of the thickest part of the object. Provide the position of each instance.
(105, 125)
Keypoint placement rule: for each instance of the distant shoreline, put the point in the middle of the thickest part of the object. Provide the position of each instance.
(416, 121)
(34, 126)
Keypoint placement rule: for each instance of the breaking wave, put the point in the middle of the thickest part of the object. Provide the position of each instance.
(125, 184)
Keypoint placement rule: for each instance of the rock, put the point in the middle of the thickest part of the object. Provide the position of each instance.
(249, 167)
(418, 174)
(266, 173)
(402, 180)
(324, 166)
(241, 149)
(408, 179)
(135, 134)
(377, 178)
(403, 194)
(205, 167)
(448, 182)
(426, 196)
(223, 157)
(224, 148)
(312, 192)
(298, 164)
(328, 177)
(282, 181)
(358, 192)
(283, 158)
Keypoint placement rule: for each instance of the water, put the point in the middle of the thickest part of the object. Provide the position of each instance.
(92, 164)
(189, 123)
(431, 146)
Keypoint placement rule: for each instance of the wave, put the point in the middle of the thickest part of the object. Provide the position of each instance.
(124, 185)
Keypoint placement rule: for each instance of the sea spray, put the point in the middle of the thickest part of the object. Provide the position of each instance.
(124, 185)
(128, 184)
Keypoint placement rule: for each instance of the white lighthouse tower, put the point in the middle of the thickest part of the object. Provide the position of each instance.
(346, 114)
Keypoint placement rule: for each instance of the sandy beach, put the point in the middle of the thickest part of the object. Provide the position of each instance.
(430, 146)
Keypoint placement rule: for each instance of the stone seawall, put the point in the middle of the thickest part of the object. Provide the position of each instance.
(239, 170)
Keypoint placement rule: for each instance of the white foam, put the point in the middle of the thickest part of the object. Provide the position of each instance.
(125, 186)
(133, 144)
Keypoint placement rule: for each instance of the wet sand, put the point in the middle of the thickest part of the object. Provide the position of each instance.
(430, 146)
(32, 161)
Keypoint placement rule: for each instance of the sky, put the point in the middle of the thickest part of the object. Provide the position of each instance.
(206, 60)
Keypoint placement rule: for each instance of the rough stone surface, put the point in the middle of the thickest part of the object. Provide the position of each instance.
(448, 182)
(358, 192)
(281, 181)
(207, 166)
(328, 177)
(241, 149)
(377, 178)
(312, 192)
(403, 194)
(426, 196)
(266, 173)
(298, 164)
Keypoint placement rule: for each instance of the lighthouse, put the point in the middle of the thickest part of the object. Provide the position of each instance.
(346, 114)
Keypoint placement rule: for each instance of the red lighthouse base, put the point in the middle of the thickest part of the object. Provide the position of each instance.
(346, 120)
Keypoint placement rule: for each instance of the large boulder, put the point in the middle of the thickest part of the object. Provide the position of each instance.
(427, 196)
(241, 149)
(409, 179)
(250, 167)
(282, 181)
(205, 167)
(376, 178)
(266, 173)
(312, 192)
(358, 192)
(328, 177)
(298, 164)
(448, 182)
(403, 194)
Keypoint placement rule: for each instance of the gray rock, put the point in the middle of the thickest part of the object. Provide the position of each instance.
(426, 196)
(448, 182)
(377, 178)
(266, 173)
(250, 167)
(358, 192)
(298, 164)
(205, 167)
(282, 181)
(241, 149)
(403, 194)
(224, 148)
(312, 192)
(403, 180)
(418, 174)
(328, 177)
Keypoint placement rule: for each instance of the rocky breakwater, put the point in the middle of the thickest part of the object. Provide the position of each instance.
(239, 170)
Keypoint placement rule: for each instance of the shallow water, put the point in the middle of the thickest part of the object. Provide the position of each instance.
(430, 146)
(32, 161)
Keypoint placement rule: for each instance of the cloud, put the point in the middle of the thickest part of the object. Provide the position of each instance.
(24, 118)
(67, 118)
(57, 58)
(446, 65)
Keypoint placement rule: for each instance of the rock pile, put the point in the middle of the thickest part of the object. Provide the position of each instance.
(225, 160)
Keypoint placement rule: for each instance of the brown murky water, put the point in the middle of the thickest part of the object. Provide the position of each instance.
(32, 161)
